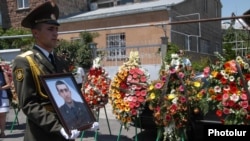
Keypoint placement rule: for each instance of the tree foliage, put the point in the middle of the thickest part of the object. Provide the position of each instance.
(10, 40)
(79, 51)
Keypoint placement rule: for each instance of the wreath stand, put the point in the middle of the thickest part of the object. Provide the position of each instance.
(15, 121)
(98, 115)
(136, 137)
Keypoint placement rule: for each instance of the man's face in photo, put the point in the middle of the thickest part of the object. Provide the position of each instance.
(64, 92)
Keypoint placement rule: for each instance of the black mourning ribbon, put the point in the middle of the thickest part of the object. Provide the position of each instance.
(52, 60)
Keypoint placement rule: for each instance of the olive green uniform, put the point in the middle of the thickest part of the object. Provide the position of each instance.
(42, 121)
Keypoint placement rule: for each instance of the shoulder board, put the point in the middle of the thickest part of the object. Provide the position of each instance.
(26, 53)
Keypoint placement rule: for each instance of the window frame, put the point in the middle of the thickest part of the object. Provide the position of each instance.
(22, 4)
(116, 46)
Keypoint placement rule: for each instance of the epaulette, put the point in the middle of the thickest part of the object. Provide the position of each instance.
(26, 53)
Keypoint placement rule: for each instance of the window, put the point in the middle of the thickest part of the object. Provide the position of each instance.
(22, 4)
(204, 46)
(116, 44)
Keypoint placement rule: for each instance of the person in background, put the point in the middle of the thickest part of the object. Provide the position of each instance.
(4, 100)
(186, 62)
(43, 123)
(79, 77)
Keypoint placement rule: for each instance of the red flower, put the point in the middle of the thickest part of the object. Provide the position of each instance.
(219, 113)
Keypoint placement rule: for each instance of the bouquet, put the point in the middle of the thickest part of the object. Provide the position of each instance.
(172, 97)
(228, 92)
(128, 90)
(96, 87)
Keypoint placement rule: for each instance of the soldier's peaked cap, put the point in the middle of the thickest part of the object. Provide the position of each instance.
(48, 13)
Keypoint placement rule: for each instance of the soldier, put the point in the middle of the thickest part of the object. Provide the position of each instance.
(43, 123)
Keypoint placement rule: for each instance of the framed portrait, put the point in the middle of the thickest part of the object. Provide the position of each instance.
(67, 100)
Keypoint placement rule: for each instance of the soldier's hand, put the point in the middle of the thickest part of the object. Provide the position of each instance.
(95, 126)
(74, 134)
(64, 134)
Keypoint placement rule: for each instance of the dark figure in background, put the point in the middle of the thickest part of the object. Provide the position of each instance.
(4, 101)
(186, 62)
(73, 112)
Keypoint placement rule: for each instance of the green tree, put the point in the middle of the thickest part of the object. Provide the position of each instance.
(79, 51)
(12, 41)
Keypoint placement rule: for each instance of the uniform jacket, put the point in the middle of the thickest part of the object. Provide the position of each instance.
(75, 117)
(42, 124)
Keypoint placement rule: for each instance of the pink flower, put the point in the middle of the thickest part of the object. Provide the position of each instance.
(225, 96)
(143, 93)
(134, 98)
(139, 71)
(243, 96)
(140, 99)
(158, 85)
(131, 105)
(226, 111)
(137, 93)
(129, 78)
(181, 88)
(133, 112)
(137, 104)
(243, 104)
(130, 98)
(183, 99)
(135, 75)
(181, 74)
(143, 78)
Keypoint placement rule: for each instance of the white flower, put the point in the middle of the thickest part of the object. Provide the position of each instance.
(248, 83)
(246, 65)
(231, 78)
(234, 97)
(217, 89)
(174, 101)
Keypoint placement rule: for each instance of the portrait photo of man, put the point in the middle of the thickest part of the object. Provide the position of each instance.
(74, 113)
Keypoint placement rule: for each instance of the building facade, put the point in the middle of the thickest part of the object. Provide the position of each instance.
(125, 25)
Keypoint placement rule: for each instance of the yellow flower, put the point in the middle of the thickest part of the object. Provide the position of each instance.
(171, 96)
(197, 84)
(214, 73)
(152, 96)
(199, 95)
(124, 119)
(151, 87)
(127, 109)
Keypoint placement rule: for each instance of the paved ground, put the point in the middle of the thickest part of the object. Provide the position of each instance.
(103, 135)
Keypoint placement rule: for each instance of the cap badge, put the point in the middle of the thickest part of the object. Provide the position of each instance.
(53, 17)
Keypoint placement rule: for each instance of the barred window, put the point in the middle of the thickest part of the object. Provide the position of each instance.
(22, 4)
(204, 46)
(116, 45)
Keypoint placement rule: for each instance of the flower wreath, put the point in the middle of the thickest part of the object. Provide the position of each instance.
(128, 90)
(171, 98)
(228, 91)
(96, 86)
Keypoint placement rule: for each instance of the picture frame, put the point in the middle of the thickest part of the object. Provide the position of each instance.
(63, 92)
